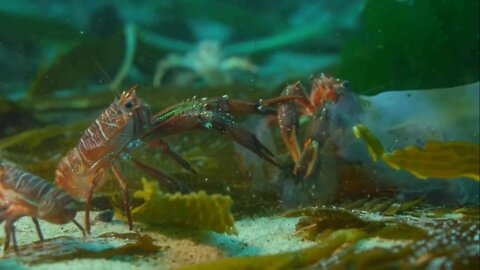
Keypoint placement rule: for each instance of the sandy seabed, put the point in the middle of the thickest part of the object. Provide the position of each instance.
(66, 248)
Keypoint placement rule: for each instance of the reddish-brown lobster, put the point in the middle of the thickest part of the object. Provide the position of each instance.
(24, 194)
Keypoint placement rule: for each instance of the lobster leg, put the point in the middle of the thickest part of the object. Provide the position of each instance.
(88, 201)
(37, 227)
(79, 226)
(10, 234)
(126, 197)
(164, 180)
(166, 150)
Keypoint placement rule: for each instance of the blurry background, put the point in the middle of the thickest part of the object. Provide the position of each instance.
(59, 47)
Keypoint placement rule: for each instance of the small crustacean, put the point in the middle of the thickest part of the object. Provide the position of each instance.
(24, 194)
(325, 90)
(82, 171)
(127, 122)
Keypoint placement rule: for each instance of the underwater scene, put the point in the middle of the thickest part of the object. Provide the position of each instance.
(211, 134)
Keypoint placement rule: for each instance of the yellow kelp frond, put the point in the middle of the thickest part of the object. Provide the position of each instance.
(438, 160)
(288, 260)
(434, 160)
(195, 210)
(374, 146)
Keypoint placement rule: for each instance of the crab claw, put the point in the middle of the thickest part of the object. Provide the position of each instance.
(225, 125)
(308, 160)
(212, 114)
(288, 121)
(287, 115)
(226, 105)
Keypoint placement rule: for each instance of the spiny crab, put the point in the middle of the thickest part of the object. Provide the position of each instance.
(325, 90)
(205, 63)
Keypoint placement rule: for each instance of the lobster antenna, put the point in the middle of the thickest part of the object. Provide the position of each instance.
(108, 78)
(79, 227)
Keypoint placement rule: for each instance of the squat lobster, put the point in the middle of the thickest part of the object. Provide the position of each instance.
(25, 194)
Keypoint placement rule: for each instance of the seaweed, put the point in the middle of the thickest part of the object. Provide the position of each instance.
(14, 118)
(321, 222)
(38, 150)
(288, 260)
(444, 160)
(78, 64)
(398, 241)
(195, 210)
(402, 46)
(104, 246)
(17, 27)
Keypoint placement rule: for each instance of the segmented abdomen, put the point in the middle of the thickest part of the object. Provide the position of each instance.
(72, 174)
(99, 144)
(109, 132)
(18, 187)
(25, 184)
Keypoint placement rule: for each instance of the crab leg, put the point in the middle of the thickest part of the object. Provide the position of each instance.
(289, 126)
(316, 137)
(308, 159)
(287, 115)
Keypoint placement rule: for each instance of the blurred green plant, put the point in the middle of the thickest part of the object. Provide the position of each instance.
(413, 45)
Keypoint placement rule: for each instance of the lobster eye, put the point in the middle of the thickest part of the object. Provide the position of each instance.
(128, 104)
